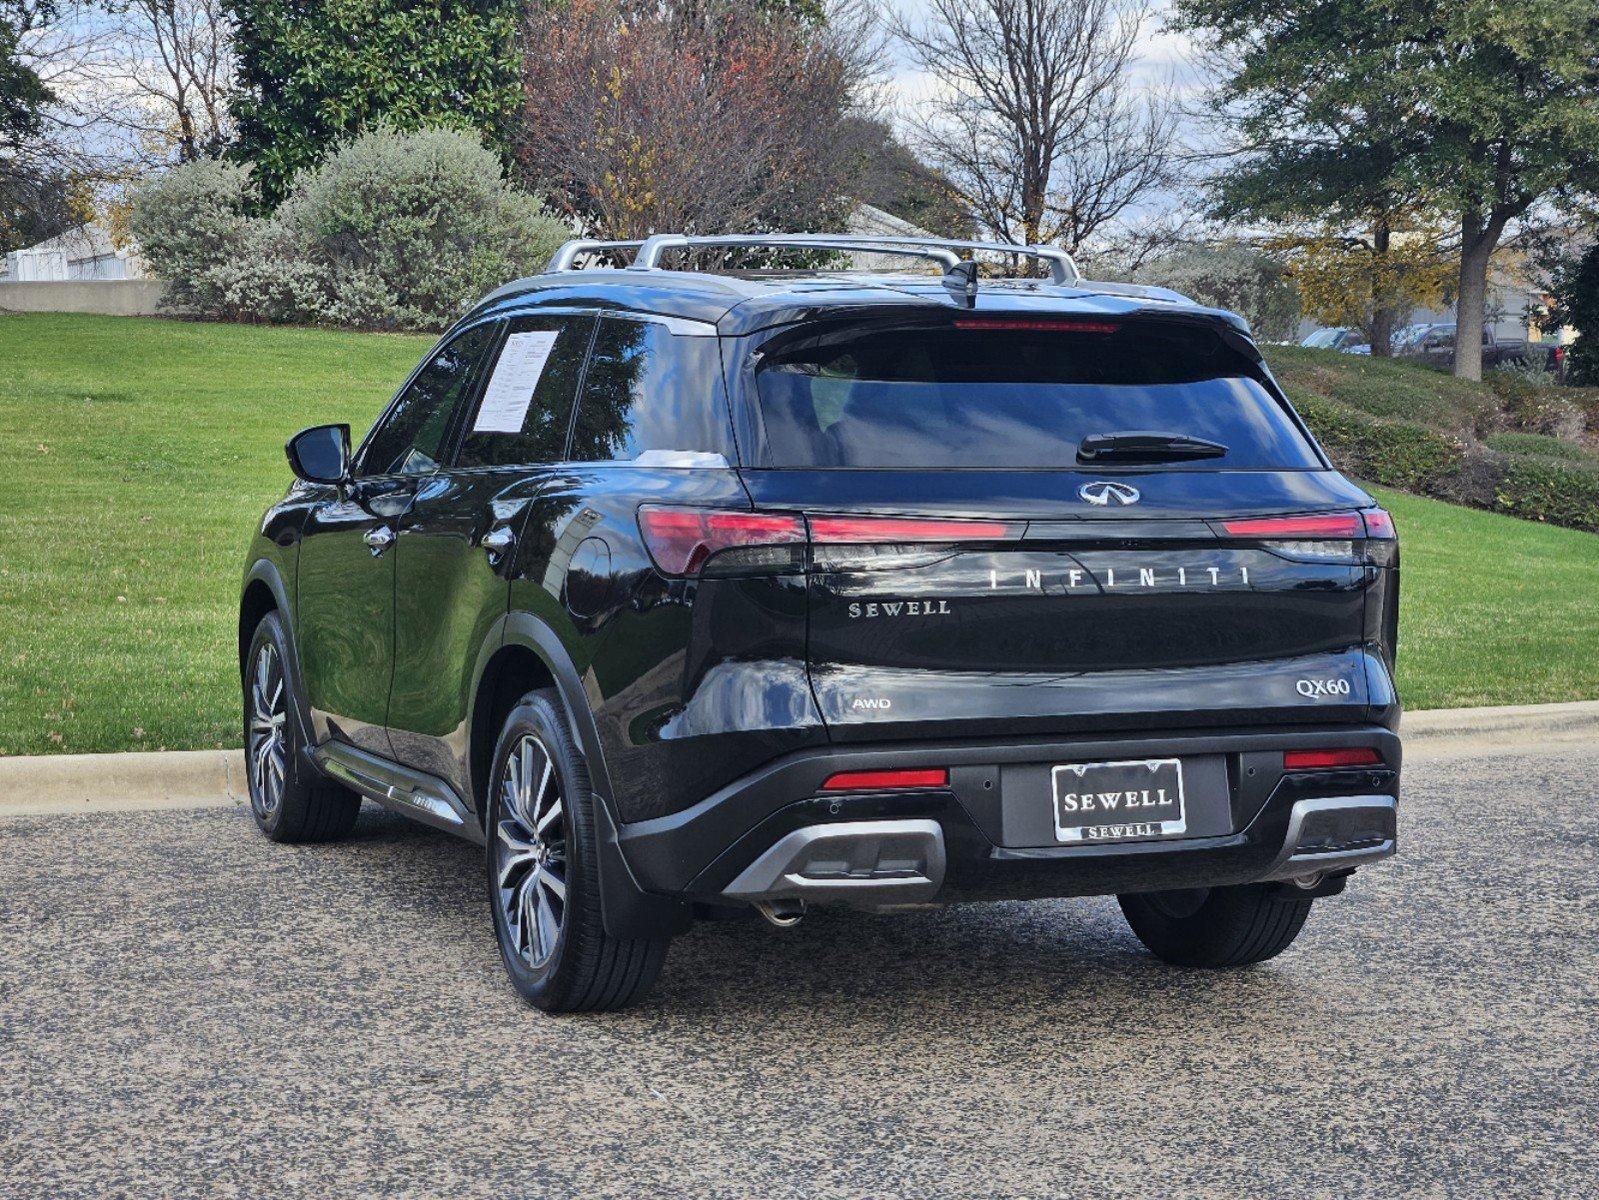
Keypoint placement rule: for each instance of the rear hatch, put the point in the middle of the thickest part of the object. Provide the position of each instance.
(1026, 525)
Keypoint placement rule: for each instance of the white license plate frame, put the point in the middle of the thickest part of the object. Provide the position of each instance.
(1148, 807)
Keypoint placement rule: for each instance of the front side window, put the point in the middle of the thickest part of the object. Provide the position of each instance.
(526, 406)
(650, 390)
(409, 438)
(1012, 394)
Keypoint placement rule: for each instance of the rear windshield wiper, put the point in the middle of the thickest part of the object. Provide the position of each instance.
(1145, 446)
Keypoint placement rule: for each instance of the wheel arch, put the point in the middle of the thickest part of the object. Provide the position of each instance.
(264, 592)
(523, 653)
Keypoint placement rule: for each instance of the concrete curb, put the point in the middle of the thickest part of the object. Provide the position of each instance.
(1522, 721)
(65, 783)
(57, 783)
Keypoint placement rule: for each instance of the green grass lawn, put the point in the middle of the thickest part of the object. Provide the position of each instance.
(1493, 610)
(138, 453)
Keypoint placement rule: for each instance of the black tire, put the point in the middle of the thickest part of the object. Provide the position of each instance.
(547, 916)
(1216, 927)
(291, 802)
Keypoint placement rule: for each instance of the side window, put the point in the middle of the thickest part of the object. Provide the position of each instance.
(526, 407)
(410, 437)
(649, 389)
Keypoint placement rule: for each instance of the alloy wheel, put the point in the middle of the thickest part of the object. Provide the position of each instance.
(530, 852)
(267, 748)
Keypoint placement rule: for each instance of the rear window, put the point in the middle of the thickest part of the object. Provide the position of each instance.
(998, 397)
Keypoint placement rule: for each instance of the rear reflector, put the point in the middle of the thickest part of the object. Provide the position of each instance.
(904, 529)
(1321, 760)
(1052, 326)
(681, 539)
(858, 781)
(1319, 525)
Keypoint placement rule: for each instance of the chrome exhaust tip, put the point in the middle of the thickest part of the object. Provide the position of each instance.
(785, 913)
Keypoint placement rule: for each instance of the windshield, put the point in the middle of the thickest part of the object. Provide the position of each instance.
(1322, 339)
(983, 393)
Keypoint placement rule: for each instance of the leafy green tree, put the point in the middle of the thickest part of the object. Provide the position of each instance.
(1321, 129)
(22, 92)
(1369, 110)
(311, 73)
(1512, 93)
(27, 190)
(1575, 288)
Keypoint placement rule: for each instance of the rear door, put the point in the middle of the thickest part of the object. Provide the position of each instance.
(457, 540)
(994, 553)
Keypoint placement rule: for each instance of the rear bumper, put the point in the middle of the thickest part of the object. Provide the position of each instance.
(773, 835)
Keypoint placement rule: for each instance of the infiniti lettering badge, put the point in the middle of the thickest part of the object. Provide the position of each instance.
(1103, 492)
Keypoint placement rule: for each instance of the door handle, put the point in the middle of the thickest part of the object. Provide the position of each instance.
(497, 542)
(380, 539)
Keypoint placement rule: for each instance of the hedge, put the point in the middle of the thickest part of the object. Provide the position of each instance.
(1515, 474)
(1541, 489)
(1397, 454)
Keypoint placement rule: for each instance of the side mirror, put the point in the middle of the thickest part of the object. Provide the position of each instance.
(320, 454)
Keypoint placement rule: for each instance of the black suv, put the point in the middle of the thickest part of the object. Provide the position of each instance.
(689, 592)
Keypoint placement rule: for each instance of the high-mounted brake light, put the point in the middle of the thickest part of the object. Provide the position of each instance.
(680, 540)
(1321, 760)
(1049, 326)
(905, 529)
(863, 781)
(1319, 525)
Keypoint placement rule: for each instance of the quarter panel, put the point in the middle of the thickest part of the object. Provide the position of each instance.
(691, 683)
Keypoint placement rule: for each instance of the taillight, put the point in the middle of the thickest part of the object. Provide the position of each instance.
(715, 541)
(1322, 536)
(874, 781)
(906, 529)
(1315, 526)
(1323, 760)
(683, 540)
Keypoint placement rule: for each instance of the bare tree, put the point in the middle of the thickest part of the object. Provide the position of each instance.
(1036, 117)
(172, 61)
(705, 117)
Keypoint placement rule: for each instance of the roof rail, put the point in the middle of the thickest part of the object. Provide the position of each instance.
(566, 257)
(943, 250)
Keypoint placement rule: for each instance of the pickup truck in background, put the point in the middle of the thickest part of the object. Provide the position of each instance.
(1435, 346)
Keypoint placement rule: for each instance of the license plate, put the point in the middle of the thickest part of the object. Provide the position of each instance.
(1097, 802)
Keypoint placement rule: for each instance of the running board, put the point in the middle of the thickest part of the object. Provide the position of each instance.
(411, 793)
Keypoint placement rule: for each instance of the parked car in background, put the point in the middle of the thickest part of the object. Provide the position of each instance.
(1338, 337)
(1435, 346)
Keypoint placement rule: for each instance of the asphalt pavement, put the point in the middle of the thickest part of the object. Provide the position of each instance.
(189, 1010)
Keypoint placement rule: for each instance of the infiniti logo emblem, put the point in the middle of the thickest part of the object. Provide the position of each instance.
(1103, 492)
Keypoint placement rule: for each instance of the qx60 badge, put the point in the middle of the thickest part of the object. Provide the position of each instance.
(1102, 493)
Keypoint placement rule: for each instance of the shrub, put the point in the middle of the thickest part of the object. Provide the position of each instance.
(190, 221)
(411, 227)
(1538, 445)
(1534, 404)
(394, 231)
(1393, 453)
(1541, 490)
